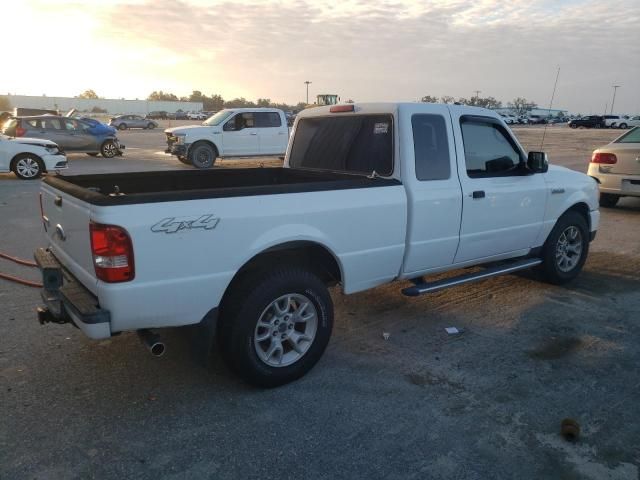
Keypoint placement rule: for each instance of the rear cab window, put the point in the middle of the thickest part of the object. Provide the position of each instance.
(358, 144)
(431, 147)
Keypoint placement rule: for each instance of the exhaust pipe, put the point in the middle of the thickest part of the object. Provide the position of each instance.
(152, 341)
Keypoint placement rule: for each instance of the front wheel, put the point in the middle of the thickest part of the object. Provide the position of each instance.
(28, 166)
(608, 200)
(623, 126)
(151, 126)
(566, 248)
(122, 126)
(202, 155)
(573, 126)
(109, 149)
(276, 325)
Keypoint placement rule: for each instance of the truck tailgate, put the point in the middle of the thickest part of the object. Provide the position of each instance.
(66, 221)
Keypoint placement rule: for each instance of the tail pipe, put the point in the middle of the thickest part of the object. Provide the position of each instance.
(152, 341)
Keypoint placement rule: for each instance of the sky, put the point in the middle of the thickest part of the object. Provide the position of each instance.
(396, 50)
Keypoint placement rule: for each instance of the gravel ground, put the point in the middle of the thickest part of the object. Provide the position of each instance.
(484, 404)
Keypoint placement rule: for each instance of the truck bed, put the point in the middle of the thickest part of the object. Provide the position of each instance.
(169, 186)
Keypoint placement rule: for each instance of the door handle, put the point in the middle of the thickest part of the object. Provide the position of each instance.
(478, 194)
(253, 133)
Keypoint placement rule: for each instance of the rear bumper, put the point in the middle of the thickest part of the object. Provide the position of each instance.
(67, 301)
(615, 183)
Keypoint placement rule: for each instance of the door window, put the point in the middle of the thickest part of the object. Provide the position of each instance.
(267, 119)
(52, 124)
(431, 147)
(240, 121)
(489, 150)
(73, 125)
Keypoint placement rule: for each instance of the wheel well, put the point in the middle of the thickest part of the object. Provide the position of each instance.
(17, 157)
(208, 142)
(582, 209)
(310, 255)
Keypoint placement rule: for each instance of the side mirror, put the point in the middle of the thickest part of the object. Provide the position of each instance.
(538, 162)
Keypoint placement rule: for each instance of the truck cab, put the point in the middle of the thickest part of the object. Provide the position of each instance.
(238, 132)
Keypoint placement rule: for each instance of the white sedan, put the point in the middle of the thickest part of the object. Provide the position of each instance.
(29, 158)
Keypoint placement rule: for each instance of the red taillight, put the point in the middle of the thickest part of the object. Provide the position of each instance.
(342, 108)
(112, 253)
(606, 158)
(20, 132)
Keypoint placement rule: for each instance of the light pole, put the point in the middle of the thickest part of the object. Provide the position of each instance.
(615, 88)
(307, 82)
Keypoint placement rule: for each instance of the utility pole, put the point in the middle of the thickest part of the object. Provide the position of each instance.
(477, 93)
(307, 82)
(615, 88)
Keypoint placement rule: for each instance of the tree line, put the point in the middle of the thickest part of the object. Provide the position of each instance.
(519, 105)
(215, 102)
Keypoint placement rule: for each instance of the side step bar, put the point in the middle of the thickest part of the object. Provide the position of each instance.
(503, 269)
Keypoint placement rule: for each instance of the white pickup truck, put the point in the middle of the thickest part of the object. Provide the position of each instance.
(237, 132)
(369, 194)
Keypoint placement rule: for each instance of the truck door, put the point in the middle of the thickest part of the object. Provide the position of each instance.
(502, 203)
(272, 133)
(240, 136)
(430, 178)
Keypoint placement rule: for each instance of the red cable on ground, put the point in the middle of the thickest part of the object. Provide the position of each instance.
(18, 260)
(28, 283)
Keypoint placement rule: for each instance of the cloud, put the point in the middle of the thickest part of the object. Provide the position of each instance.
(387, 50)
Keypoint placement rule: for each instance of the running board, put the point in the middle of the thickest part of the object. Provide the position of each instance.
(429, 287)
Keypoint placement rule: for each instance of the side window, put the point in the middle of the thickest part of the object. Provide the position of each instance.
(248, 120)
(488, 150)
(73, 125)
(52, 124)
(34, 123)
(431, 147)
(267, 119)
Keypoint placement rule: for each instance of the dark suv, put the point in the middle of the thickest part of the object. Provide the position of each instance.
(592, 121)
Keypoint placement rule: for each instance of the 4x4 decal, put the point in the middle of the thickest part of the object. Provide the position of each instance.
(176, 224)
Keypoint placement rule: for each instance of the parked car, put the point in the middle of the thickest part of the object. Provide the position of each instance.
(29, 158)
(237, 132)
(537, 119)
(616, 168)
(197, 116)
(590, 121)
(71, 134)
(179, 115)
(633, 122)
(523, 120)
(246, 255)
(614, 121)
(158, 115)
(123, 122)
(508, 119)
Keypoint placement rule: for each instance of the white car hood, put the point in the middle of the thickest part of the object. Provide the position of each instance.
(187, 129)
(34, 141)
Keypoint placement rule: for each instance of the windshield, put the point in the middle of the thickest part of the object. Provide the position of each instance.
(218, 118)
(632, 136)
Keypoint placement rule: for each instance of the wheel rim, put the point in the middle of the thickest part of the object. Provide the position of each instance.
(109, 150)
(203, 157)
(569, 249)
(286, 330)
(28, 167)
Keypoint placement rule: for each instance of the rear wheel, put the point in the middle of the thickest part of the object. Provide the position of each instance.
(623, 125)
(276, 325)
(27, 166)
(202, 155)
(573, 125)
(151, 126)
(608, 200)
(109, 149)
(566, 248)
(122, 126)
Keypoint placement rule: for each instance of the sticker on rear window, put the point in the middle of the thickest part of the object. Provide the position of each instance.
(379, 128)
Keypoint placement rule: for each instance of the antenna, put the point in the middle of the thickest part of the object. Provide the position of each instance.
(544, 132)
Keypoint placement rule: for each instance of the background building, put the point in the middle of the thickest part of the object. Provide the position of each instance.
(111, 105)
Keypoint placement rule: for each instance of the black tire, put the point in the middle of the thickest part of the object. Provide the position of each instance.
(551, 266)
(151, 126)
(623, 126)
(27, 166)
(250, 301)
(93, 154)
(608, 200)
(184, 159)
(573, 125)
(109, 149)
(598, 125)
(122, 126)
(202, 155)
